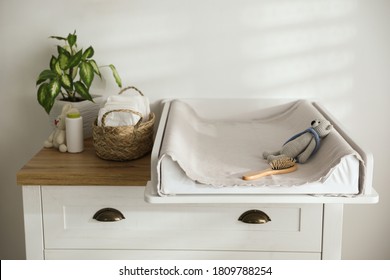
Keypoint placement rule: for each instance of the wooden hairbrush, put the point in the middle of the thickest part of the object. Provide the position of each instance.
(278, 166)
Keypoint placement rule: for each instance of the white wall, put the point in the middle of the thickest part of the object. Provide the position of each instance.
(334, 51)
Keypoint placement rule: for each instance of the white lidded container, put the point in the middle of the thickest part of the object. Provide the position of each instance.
(74, 132)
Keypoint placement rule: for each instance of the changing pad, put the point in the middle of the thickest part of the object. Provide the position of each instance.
(201, 155)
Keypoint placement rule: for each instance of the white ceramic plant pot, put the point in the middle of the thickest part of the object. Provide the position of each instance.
(88, 110)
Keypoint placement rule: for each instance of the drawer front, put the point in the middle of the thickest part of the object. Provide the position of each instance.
(69, 224)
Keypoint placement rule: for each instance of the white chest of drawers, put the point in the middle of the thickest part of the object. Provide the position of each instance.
(62, 193)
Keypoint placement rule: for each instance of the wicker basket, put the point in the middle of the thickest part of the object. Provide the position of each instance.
(123, 143)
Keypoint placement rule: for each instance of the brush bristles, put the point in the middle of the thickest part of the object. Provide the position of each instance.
(282, 163)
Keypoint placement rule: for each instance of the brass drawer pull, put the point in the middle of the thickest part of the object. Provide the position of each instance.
(254, 217)
(108, 215)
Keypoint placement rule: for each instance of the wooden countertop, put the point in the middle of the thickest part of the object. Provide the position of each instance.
(51, 167)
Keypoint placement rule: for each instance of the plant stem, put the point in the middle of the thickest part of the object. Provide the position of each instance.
(70, 96)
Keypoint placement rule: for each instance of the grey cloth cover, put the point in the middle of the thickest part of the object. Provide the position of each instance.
(219, 152)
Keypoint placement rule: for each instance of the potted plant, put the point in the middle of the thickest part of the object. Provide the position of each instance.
(69, 65)
(70, 75)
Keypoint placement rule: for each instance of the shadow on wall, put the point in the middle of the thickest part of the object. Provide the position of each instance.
(300, 49)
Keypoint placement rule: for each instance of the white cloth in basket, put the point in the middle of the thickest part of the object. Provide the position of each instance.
(130, 101)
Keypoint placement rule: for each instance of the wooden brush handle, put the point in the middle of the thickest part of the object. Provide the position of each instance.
(258, 174)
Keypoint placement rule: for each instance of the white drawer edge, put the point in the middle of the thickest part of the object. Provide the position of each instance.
(175, 255)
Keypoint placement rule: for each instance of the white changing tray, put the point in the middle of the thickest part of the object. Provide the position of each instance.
(182, 190)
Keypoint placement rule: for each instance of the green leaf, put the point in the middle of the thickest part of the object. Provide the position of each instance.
(74, 60)
(45, 98)
(82, 90)
(54, 88)
(46, 75)
(53, 61)
(58, 38)
(72, 38)
(95, 67)
(118, 79)
(86, 73)
(74, 72)
(63, 61)
(62, 50)
(66, 81)
(57, 68)
(42, 93)
(88, 53)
